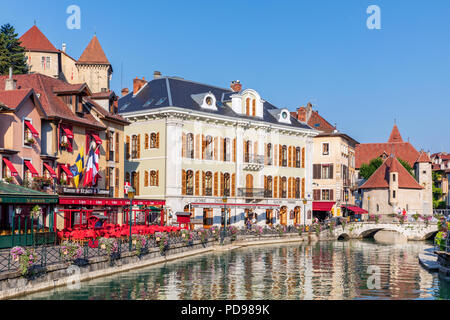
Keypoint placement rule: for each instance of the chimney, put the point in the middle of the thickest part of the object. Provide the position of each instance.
(125, 91)
(236, 86)
(63, 47)
(301, 114)
(157, 75)
(138, 84)
(10, 83)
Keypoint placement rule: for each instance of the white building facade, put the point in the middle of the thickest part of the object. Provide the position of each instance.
(194, 145)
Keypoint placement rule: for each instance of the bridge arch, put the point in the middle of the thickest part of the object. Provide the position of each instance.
(343, 237)
(370, 233)
(430, 235)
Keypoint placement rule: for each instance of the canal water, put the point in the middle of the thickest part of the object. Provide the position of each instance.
(324, 270)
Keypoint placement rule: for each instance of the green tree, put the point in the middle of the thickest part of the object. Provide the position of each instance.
(367, 170)
(11, 53)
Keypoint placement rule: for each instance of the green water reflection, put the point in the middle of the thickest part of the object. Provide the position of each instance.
(326, 270)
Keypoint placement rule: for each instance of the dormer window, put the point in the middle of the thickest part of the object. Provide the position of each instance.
(209, 101)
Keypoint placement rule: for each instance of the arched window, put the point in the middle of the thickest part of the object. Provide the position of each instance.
(154, 178)
(134, 147)
(284, 156)
(269, 154)
(298, 154)
(247, 151)
(283, 187)
(226, 149)
(297, 188)
(190, 146)
(208, 183)
(269, 187)
(226, 184)
(190, 182)
(209, 148)
(154, 141)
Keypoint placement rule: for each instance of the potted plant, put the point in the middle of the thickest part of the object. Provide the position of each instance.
(163, 241)
(70, 251)
(232, 230)
(203, 233)
(36, 211)
(140, 241)
(215, 232)
(25, 257)
(111, 245)
(187, 236)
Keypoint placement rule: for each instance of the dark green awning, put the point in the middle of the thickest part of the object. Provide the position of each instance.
(11, 193)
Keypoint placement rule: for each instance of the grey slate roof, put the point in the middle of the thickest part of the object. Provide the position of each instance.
(177, 92)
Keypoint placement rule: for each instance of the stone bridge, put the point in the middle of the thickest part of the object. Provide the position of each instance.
(358, 230)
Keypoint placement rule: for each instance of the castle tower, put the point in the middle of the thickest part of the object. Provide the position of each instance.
(423, 173)
(94, 68)
(393, 183)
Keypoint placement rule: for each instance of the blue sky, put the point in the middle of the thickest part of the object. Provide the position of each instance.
(291, 52)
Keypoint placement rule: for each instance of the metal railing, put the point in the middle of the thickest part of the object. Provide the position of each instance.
(251, 192)
(253, 158)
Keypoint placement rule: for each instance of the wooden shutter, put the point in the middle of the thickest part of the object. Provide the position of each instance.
(265, 183)
(216, 148)
(157, 140)
(157, 178)
(280, 179)
(254, 107)
(289, 157)
(139, 146)
(183, 146)
(117, 150)
(303, 157)
(203, 183)
(146, 141)
(255, 148)
(303, 188)
(316, 194)
(117, 186)
(244, 150)
(222, 149)
(203, 147)
(128, 147)
(233, 185)
(107, 145)
(107, 184)
(137, 183)
(275, 187)
(234, 150)
(331, 194)
(183, 182)
(331, 171)
(280, 156)
(197, 146)
(197, 183)
(216, 184)
(289, 188)
(146, 178)
(316, 171)
(222, 184)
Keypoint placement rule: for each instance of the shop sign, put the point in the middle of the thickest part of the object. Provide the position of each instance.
(85, 191)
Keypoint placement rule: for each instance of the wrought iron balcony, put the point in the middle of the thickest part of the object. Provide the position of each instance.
(268, 193)
(253, 162)
(254, 193)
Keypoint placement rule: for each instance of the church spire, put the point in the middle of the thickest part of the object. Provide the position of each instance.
(395, 135)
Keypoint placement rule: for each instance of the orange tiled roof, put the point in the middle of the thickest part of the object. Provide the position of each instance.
(365, 152)
(319, 123)
(13, 98)
(53, 106)
(93, 54)
(380, 178)
(35, 40)
(423, 157)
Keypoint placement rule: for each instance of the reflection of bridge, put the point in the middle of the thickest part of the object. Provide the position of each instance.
(359, 230)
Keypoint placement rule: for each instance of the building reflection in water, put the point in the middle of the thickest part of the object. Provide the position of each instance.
(323, 270)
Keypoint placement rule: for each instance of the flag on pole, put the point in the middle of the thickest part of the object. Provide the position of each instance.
(91, 175)
(78, 168)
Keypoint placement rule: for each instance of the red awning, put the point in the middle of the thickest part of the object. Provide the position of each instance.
(50, 169)
(68, 132)
(34, 132)
(67, 171)
(96, 138)
(10, 167)
(358, 210)
(323, 206)
(94, 201)
(34, 173)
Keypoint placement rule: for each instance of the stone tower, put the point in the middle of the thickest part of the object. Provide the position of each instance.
(94, 68)
(393, 184)
(423, 172)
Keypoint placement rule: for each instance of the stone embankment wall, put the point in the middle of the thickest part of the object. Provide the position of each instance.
(13, 285)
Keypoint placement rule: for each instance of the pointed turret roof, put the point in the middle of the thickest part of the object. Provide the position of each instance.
(35, 40)
(93, 54)
(423, 157)
(395, 135)
(380, 178)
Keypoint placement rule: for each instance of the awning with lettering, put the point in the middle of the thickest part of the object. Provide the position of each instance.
(34, 132)
(10, 167)
(67, 171)
(50, 169)
(322, 206)
(30, 167)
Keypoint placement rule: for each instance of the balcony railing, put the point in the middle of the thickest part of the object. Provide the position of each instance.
(227, 157)
(257, 193)
(268, 193)
(189, 191)
(208, 192)
(226, 192)
(269, 161)
(253, 162)
(283, 194)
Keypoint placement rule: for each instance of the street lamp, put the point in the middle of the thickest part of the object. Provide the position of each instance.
(130, 196)
(305, 202)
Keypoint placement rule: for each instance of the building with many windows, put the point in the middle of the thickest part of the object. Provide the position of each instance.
(334, 176)
(193, 144)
